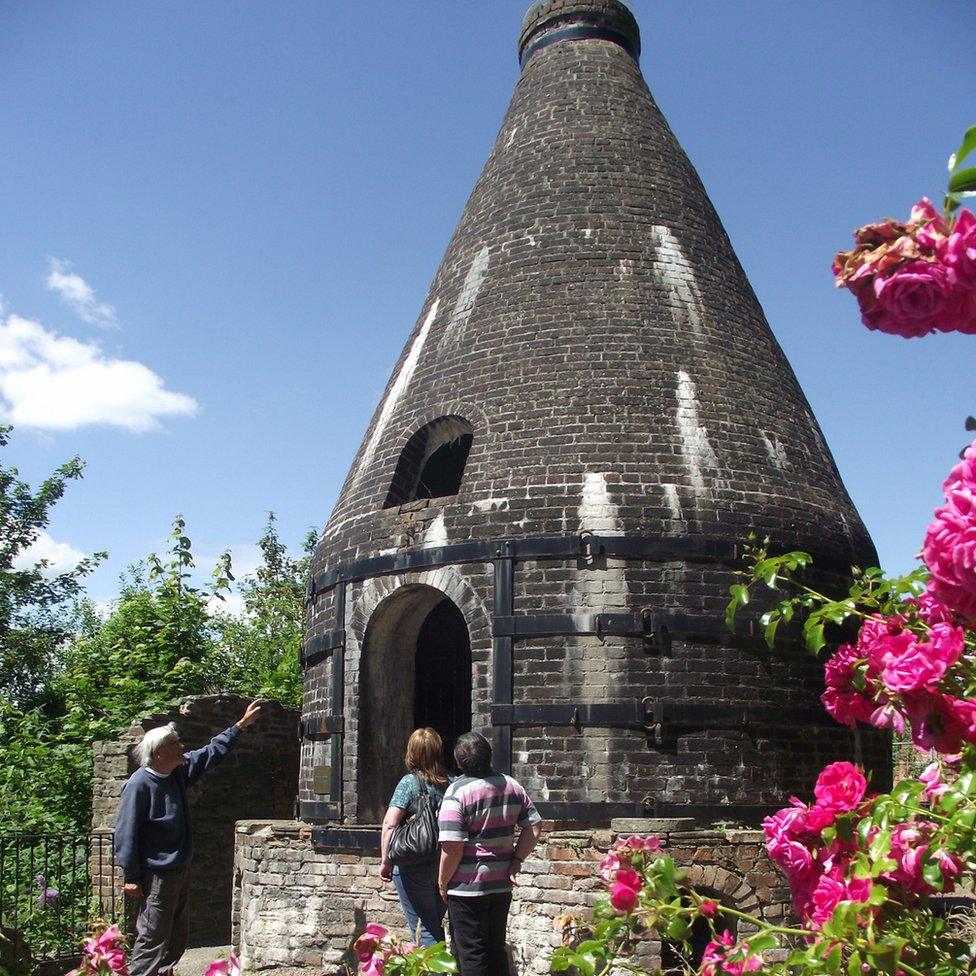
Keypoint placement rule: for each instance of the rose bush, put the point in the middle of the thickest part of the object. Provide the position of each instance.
(381, 953)
(862, 868)
(103, 954)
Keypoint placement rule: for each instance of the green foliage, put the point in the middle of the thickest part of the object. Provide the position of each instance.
(257, 653)
(962, 181)
(870, 592)
(149, 652)
(35, 606)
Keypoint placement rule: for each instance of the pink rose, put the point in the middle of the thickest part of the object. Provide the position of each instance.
(839, 670)
(963, 473)
(911, 296)
(951, 867)
(786, 824)
(831, 891)
(630, 878)
(847, 707)
(374, 967)
(912, 668)
(930, 609)
(609, 866)
(960, 256)
(909, 846)
(840, 787)
(940, 722)
(795, 859)
(950, 549)
(928, 224)
(931, 776)
(708, 908)
(716, 962)
(888, 717)
(623, 897)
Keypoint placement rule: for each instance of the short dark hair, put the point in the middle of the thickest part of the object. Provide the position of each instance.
(472, 753)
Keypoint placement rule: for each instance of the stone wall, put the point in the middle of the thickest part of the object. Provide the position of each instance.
(258, 779)
(300, 910)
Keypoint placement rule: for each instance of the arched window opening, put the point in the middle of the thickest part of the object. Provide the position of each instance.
(431, 464)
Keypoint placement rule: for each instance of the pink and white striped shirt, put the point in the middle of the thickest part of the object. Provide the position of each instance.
(483, 812)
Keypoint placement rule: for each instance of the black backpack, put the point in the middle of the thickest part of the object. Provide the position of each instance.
(414, 840)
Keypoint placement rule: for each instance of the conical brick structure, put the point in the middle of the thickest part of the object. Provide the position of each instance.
(538, 533)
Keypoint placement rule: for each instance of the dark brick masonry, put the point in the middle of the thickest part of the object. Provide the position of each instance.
(591, 331)
(592, 325)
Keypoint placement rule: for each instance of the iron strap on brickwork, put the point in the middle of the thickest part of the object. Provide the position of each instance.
(659, 720)
(584, 546)
(581, 32)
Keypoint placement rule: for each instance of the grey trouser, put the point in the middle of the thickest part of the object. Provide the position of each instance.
(161, 927)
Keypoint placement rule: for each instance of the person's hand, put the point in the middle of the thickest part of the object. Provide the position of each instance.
(132, 890)
(516, 866)
(386, 871)
(250, 714)
(442, 891)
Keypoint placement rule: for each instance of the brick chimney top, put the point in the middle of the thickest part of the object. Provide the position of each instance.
(550, 21)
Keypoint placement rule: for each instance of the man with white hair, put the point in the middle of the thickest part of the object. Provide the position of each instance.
(154, 842)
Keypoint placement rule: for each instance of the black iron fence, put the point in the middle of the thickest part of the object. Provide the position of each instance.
(54, 887)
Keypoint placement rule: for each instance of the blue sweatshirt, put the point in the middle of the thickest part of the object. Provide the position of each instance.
(152, 827)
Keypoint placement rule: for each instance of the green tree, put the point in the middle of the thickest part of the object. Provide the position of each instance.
(37, 608)
(153, 648)
(257, 652)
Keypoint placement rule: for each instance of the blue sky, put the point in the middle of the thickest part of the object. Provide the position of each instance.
(221, 219)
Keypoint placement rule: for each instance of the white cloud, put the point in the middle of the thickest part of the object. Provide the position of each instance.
(55, 382)
(78, 295)
(61, 556)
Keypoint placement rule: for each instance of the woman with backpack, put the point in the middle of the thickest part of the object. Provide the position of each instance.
(409, 851)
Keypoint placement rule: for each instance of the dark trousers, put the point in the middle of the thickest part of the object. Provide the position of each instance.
(478, 933)
(421, 901)
(163, 923)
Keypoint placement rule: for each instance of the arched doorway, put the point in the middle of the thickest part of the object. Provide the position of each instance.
(442, 676)
(415, 671)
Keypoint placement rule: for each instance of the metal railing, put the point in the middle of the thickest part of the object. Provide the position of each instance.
(53, 887)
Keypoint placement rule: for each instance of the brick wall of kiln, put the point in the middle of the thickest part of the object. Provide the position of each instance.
(298, 910)
(592, 325)
(258, 778)
(563, 764)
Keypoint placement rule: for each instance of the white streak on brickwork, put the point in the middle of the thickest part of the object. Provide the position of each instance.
(396, 391)
(823, 451)
(490, 505)
(674, 504)
(532, 240)
(467, 297)
(511, 137)
(775, 450)
(436, 534)
(679, 277)
(588, 233)
(597, 513)
(695, 448)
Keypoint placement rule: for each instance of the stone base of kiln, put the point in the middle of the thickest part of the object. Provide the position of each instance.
(299, 910)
